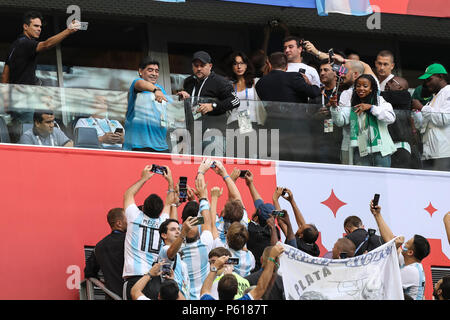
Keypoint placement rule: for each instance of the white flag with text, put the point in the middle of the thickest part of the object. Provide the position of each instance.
(371, 276)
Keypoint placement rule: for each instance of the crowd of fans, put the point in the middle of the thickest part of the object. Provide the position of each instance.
(223, 253)
(370, 111)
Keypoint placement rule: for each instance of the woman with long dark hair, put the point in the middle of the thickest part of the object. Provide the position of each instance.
(251, 112)
(370, 115)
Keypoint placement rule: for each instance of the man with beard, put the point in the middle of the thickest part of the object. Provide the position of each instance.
(396, 93)
(326, 134)
(434, 119)
(209, 96)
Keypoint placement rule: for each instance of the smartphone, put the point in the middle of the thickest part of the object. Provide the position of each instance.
(330, 55)
(278, 213)
(118, 130)
(166, 269)
(375, 200)
(243, 173)
(158, 169)
(200, 220)
(284, 193)
(233, 261)
(301, 70)
(213, 165)
(183, 189)
(84, 26)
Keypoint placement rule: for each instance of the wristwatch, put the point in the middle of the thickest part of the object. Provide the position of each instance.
(213, 268)
(156, 89)
(214, 105)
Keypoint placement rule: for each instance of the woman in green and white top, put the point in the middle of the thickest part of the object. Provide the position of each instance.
(369, 117)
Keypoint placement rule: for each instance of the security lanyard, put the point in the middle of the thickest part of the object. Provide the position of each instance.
(323, 96)
(199, 91)
(51, 140)
(246, 94)
(98, 124)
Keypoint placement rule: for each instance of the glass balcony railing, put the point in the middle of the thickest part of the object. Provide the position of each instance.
(255, 130)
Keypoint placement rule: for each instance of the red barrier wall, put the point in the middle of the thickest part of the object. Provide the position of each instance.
(55, 201)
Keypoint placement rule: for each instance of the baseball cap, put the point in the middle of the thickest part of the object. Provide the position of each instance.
(264, 209)
(202, 56)
(434, 68)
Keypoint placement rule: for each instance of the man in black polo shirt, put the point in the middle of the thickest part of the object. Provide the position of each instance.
(363, 240)
(108, 254)
(20, 65)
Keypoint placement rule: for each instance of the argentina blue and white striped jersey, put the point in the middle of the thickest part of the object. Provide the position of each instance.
(195, 255)
(413, 280)
(142, 242)
(221, 240)
(246, 262)
(181, 272)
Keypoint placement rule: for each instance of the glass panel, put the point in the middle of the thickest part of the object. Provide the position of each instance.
(255, 130)
(106, 57)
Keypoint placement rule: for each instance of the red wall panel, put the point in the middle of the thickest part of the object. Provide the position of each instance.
(55, 201)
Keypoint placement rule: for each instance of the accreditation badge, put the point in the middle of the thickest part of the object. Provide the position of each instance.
(244, 122)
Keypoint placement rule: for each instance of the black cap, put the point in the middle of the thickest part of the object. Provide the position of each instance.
(202, 56)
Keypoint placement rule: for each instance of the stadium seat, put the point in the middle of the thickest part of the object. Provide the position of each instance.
(86, 138)
(4, 133)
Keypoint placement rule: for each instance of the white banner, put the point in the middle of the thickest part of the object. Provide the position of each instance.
(412, 201)
(372, 276)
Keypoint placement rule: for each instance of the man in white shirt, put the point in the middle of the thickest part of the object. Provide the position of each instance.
(293, 51)
(384, 65)
(142, 241)
(413, 252)
(434, 120)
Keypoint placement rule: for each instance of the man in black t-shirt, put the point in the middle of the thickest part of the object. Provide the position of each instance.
(20, 65)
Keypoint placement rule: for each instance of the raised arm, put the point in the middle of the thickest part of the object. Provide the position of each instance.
(170, 205)
(290, 236)
(128, 197)
(216, 192)
(136, 290)
(207, 284)
(56, 39)
(273, 230)
(176, 245)
(447, 225)
(301, 223)
(233, 192)
(385, 231)
(251, 186)
(202, 190)
(267, 274)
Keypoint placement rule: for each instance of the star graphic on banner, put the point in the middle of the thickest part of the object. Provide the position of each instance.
(430, 209)
(333, 203)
